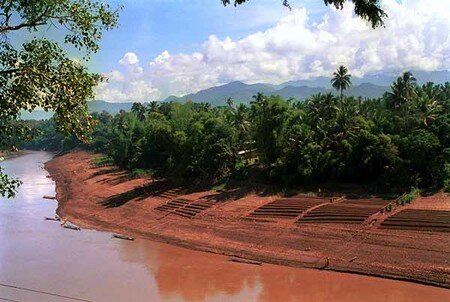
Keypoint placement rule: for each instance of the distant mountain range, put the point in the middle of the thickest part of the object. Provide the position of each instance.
(243, 93)
(379, 79)
(370, 86)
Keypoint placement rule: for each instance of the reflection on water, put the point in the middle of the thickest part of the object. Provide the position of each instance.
(40, 255)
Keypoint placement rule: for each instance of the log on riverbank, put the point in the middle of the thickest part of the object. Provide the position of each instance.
(118, 236)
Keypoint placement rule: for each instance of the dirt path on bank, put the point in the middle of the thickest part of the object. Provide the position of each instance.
(105, 199)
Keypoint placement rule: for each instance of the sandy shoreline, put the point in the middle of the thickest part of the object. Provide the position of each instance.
(105, 199)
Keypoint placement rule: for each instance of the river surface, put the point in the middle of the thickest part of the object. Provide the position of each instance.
(41, 261)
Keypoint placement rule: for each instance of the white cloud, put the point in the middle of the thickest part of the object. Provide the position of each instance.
(129, 58)
(128, 84)
(416, 36)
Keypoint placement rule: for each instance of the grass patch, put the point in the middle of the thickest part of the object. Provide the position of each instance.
(389, 207)
(142, 173)
(219, 186)
(409, 197)
(102, 161)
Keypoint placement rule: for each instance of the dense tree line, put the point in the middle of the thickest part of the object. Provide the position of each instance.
(397, 141)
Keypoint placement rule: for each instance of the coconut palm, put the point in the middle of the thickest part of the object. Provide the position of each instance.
(230, 102)
(139, 110)
(152, 107)
(341, 79)
(403, 90)
(426, 103)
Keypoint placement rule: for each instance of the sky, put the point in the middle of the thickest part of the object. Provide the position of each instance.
(175, 47)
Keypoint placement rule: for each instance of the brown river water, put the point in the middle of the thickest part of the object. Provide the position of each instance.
(41, 261)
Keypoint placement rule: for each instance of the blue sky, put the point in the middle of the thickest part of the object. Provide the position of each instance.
(176, 47)
(147, 28)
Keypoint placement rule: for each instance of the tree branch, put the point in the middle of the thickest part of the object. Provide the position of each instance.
(20, 26)
(36, 22)
(8, 71)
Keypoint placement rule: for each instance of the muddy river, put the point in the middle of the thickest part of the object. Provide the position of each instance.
(41, 261)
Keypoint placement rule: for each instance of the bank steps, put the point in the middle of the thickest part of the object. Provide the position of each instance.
(418, 220)
(348, 211)
(287, 208)
(185, 208)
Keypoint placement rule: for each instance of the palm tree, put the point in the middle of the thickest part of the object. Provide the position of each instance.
(152, 107)
(240, 120)
(139, 110)
(230, 102)
(403, 90)
(341, 80)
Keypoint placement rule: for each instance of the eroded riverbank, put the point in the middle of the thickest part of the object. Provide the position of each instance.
(41, 261)
(105, 199)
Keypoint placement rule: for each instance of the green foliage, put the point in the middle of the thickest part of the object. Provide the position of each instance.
(444, 175)
(389, 207)
(39, 74)
(8, 185)
(268, 115)
(45, 136)
(323, 139)
(141, 173)
(341, 79)
(368, 10)
(102, 161)
(409, 197)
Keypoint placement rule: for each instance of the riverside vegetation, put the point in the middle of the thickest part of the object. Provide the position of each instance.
(396, 142)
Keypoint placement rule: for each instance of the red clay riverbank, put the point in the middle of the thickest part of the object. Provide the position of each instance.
(219, 222)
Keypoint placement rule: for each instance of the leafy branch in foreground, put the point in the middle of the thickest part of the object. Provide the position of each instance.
(39, 74)
(8, 186)
(368, 10)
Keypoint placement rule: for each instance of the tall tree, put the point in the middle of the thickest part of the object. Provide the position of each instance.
(230, 102)
(152, 107)
(369, 10)
(403, 90)
(39, 73)
(139, 110)
(341, 80)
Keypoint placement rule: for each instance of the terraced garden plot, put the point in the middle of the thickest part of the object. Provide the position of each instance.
(171, 194)
(419, 220)
(347, 211)
(186, 208)
(172, 205)
(287, 208)
(194, 208)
